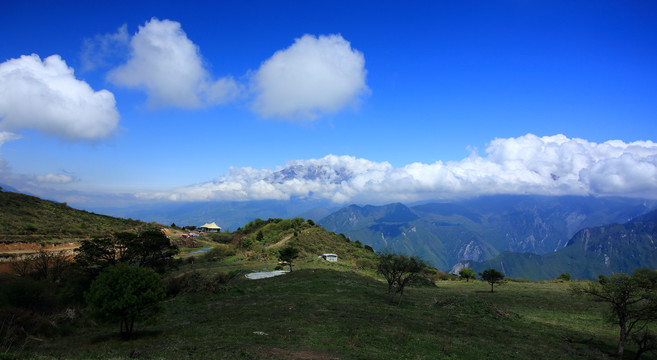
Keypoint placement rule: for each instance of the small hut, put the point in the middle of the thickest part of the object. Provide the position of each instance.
(210, 228)
(330, 257)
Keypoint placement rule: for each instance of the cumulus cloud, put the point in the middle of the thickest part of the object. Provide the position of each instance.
(46, 96)
(550, 165)
(169, 67)
(314, 76)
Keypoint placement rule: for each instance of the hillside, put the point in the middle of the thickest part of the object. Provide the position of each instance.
(327, 311)
(27, 218)
(479, 229)
(321, 310)
(591, 252)
(261, 240)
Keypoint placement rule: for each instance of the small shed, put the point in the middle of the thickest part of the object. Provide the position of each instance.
(330, 257)
(211, 227)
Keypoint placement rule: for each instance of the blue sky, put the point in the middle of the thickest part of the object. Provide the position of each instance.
(391, 101)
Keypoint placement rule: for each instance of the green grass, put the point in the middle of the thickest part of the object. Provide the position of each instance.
(330, 311)
(30, 219)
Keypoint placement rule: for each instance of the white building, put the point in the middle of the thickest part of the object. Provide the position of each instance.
(212, 227)
(330, 257)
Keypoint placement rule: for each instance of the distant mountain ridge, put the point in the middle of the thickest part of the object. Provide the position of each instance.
(479, 229)
(601, 250)
(229, 215)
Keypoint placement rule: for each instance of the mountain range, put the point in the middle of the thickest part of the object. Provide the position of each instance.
(445, 234)
(528, 236)
(594, 251)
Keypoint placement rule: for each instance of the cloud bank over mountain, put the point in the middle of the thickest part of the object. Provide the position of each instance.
(549, 165)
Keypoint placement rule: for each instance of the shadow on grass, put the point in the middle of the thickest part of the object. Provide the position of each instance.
(143, 334)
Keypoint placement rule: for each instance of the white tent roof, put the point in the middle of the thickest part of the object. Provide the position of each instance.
(210, 226)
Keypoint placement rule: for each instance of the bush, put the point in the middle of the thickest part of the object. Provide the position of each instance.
(17, 326)
(195, 282)
(223, 238)
(25, 293)
(217, 253)
(190, 282)
(564, 277)
(365, 263)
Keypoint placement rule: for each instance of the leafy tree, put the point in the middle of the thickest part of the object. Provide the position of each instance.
(467, 274)
(150, 248)
(288, 254)
(260, 236)
(399, 271)
(492, 276)
(126, 294)
(632, 304)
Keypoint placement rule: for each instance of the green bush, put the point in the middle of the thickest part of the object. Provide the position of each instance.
(190, 282)
(214, 254)
(564, 277)
(365, 263)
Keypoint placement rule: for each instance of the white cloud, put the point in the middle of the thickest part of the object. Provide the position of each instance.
(7, 136)
(314, 76)
(169, 67)
(4, 137)
(55, 178)
(550, 165)
(98, 51)
(47, 97)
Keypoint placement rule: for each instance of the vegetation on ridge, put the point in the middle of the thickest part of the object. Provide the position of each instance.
(322, 310)
(27, 218)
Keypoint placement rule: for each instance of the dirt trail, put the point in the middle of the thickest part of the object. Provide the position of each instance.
(28, 248)
(282, 241)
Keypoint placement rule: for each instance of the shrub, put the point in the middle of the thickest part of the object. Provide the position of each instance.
(29, 294)
(365, 263)
(564, 277)
(190, 282)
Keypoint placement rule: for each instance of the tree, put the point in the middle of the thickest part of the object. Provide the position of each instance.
(44, 265)
(492, 276)
(467, 274)
(288, 254)
(149, 248)
(632, 304)
(127, 294)
(399, 270)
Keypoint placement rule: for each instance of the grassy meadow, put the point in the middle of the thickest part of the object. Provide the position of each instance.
(333, 311)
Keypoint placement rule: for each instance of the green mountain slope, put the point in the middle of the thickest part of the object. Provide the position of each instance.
(397, 228)
(28, 218)
(591, 252)
(478, 229)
